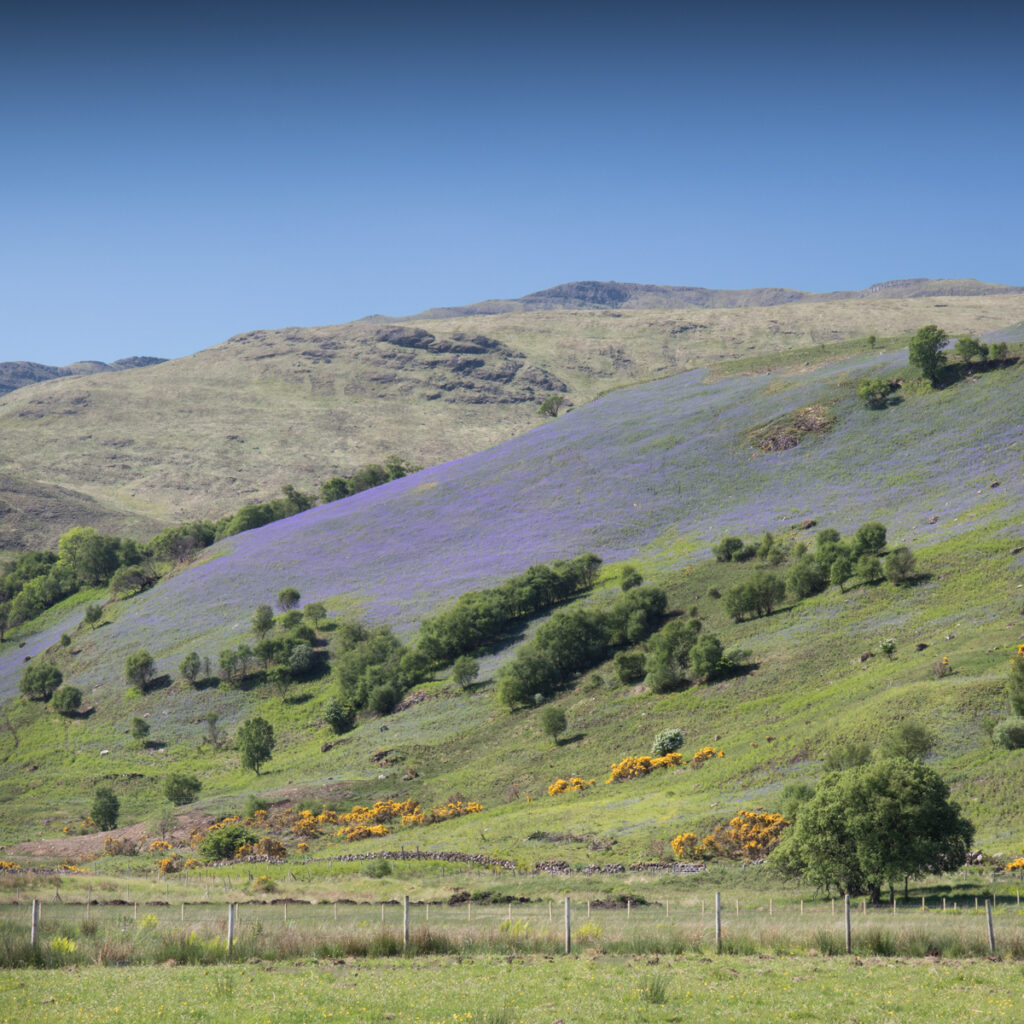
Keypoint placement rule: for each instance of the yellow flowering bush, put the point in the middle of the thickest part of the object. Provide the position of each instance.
(636, 767)
(749, 836)
(169, 865)
(454, 808)
(355, 832)
(270, 847)
(9, 865)
(705, 754)
(574, 782)
(1015, 865)
(684, 846)
(159, 844)
(306, 825)
(303, 847)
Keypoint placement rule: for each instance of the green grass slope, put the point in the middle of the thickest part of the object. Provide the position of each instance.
(942, 469)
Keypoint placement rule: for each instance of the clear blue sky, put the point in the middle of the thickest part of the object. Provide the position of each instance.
(176, 174)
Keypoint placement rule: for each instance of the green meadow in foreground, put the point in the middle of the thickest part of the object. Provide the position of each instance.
(523, 990)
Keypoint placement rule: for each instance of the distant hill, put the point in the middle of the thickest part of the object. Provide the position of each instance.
(18, 374)
(616, 295)
(200, 436)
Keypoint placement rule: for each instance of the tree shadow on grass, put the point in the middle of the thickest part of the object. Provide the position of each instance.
(158, 683)
(564, 741)
(734, 671)
(206, 683)
(298, 698)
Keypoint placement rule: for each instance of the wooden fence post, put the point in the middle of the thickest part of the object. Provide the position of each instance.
(718, 922)
(849, 935)
(405, 922)
(991, 930)
(231, 927)
(35, 923)
(568, 933)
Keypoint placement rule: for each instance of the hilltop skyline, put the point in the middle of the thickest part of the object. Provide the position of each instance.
(182, 175)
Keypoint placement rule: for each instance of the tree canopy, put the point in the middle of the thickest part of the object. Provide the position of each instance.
(925, 352)
(255, 739)
(878, 824)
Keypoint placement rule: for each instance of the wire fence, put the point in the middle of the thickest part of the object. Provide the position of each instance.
(208, 931)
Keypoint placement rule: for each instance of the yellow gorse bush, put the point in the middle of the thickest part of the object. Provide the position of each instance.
(574, 782)
(354, 832)
(1015, 865)
(684, 846)
(9, 865)
(749, 836)
(636, 767)
(159, 844)
(705, 754)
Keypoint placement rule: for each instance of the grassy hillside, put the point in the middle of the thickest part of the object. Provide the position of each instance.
(198, 437)
(654, 475)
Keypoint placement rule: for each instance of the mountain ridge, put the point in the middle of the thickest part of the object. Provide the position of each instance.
(20, 373)
(628, 295)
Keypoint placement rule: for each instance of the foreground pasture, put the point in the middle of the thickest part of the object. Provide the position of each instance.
(589, 989)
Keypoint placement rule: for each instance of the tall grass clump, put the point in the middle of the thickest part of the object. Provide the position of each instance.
(653, 989)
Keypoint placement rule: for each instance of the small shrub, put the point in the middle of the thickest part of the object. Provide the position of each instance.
(1009, 733)
(67, 700)
(377, 868)
(667, 741)
(222, 843)
(254, 804)
(181, 788)
(629, 667)
(105, 809)
(553, 722)
(339, 716)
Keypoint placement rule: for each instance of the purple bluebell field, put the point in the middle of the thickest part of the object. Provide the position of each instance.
(627, 476)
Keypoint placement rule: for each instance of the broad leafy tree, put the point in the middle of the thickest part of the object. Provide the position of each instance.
(190, 667)
(263, 621)
(139, 668)
(40, 680)
(926, 352)
(315, 612)
(105, 809)
(255, 741)
(465, 670)
(181, 788)
(553, 722)
(67, 700)
(900, 566)
(880, 824)
(139, 729)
